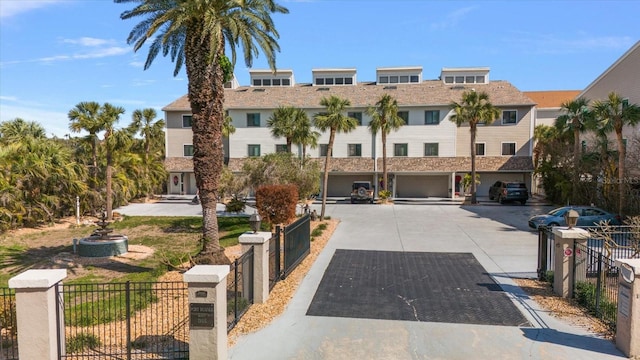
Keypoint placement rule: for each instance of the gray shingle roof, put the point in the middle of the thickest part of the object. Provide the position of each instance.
(427, 93)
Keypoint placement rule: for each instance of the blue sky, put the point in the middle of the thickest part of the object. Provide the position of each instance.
(57, 53)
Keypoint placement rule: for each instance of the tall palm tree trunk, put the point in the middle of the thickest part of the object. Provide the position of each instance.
(473, 130)
(622, 153)
(325, 180)
(205, 82)
(385, 185)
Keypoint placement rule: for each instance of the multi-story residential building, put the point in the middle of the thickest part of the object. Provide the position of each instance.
(622, 77)
(425, 158)
(549, 103)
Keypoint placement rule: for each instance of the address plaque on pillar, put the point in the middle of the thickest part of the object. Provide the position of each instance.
(201, 315)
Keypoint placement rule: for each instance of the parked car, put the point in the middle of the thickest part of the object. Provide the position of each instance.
(504, 191)
(362, 191)
(588, 216)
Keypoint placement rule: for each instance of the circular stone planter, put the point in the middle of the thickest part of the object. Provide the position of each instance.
(97, 247)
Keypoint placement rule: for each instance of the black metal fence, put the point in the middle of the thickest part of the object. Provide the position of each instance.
(132, 320)
(8, 325)
(288, 247)
(239, 288)
(596, 283)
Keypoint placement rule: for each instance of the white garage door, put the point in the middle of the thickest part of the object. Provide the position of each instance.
(422, 186)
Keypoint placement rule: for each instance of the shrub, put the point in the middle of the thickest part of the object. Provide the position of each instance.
(384, 194)
(81, 342)
(235, 205)
(277, 203)
(8, 316)
(242, 304)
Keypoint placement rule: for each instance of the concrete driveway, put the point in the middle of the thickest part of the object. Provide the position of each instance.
(499, 239)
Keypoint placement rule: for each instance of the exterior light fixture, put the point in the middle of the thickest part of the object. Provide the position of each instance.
(254, 222)
(571, 218)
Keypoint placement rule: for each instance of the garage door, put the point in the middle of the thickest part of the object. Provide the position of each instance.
(340, 185)
(422, 186)
(488, 179)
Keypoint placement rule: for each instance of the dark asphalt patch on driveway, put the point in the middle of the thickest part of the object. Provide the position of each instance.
(412, 286)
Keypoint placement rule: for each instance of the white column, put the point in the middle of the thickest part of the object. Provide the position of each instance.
(36, 313)
(260, 243)
(207, 287)
(628, 319)
(564, 258)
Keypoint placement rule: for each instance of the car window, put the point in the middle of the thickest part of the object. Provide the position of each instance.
(516, 186)
(558, 212)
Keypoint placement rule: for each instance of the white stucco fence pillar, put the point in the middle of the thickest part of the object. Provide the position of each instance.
(260, 243)
(564, 258)
(207, 288)
(36, 313)
(628, 317)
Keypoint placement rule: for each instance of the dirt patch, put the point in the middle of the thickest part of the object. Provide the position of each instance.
(566, 309)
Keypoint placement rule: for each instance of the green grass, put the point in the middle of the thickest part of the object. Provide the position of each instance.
(174, 239)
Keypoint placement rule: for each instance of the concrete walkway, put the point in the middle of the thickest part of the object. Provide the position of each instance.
(499, 239)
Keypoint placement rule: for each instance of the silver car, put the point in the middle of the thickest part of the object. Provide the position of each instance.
(588, 216)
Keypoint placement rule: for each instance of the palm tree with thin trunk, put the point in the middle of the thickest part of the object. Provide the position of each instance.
(196, 33)
(612, 116)
(85, 117)
(304, 135)
(282, 124)
(109, 115)
(334, 120)
(144, 122)
(475, 108)
(384, 119)
(576, 119)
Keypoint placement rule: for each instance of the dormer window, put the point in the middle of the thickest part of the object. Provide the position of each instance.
(465, 75)
(339, 77)
(266, 78)
(399, 75)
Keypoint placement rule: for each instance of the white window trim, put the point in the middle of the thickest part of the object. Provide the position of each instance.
(425, 118)
(259, 150)
(356, 146)
(183, 152)
(182, 121)
(502, 117)
(485, 148)
(515, 148)
(406, 146)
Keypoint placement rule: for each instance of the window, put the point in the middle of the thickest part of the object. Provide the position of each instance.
(508, 148)
(187, 150)
(253, 120)
(281, 148)
(400, 149)
(319, 81)
(448, 79)
(393, 79)
(432, 117)
(431, 149)
(384, 80)
(480, 79)
(257, 82)
(276, 82)
(266, 82)
(186, 121)
(354, 149)
(480, 149)
(356, 115)
(339, 81)
(253, 150)
(328, 81)
(459, 79)
(470, 79)
(414, 78)
(324, 148)
(509, 117)
(404, 79)
(286, 82)
(348, 81)
(404, 115)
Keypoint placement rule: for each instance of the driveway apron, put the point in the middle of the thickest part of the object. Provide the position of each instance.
(501, 249)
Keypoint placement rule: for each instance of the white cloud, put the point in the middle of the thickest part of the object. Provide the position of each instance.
(137, 64)
(452, 19)
(9, 8)
(551, 44)
(88, 41)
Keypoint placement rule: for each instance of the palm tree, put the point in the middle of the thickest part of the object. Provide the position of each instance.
(282, 124)
(109, 115)
(152, 131)
(85, 116)
(334, 120)
(613, 114)
(576, 119)
(196, 33)
(474, 109)
(17, 129)
(304, 135)
(384, 119)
